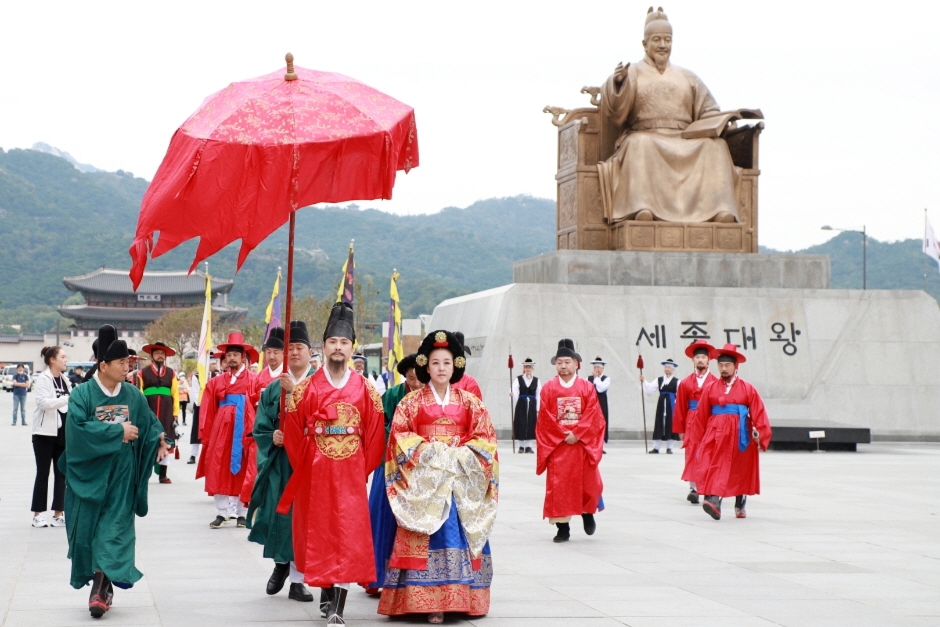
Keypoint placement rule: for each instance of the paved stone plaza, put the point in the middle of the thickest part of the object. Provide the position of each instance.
(836, 539)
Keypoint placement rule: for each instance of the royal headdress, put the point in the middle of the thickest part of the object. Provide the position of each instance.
(656, 22)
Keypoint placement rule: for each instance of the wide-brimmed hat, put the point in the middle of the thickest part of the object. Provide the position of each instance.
(360, 357)
(237, 340)
(275, 339)
(149, 348)
(460, 338)
(731, 350)
(436, 340)
(566, 349)
(669, 362)
(598, 362)
(528, 362)
(699, 345)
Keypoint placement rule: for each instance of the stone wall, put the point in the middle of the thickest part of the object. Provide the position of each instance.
(858, 358)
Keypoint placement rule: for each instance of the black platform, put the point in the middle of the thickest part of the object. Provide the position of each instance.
(793, 435)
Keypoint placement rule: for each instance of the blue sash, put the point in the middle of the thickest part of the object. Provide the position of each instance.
(238, 430)
(693, 405)
(744, 437)
(527, 396)
(672, 401)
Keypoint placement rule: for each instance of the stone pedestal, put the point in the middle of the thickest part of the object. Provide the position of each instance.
(857, 358)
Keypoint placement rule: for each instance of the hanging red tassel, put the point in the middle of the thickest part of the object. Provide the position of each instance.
(511, 365)
(177, 453)
(639, 362)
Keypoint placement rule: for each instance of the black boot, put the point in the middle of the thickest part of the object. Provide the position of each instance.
(102, 595)
(278, 577)
(334, 615)
(299, 592)
(326, 598)
(693, 497)
(589, 525)
(712, 506)
(564, 532)
(739, 504)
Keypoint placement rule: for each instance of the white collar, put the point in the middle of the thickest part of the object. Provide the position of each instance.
(666, 379)
(235, 376)
(296, 380)
(276, 373)
(569, 384)
(528, 379)
(107, 392)
(442, 402)
(342, 382)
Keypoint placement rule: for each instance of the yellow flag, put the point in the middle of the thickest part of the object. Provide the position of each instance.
(396, 351)
(205, 341)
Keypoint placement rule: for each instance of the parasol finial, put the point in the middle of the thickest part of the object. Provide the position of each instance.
(291, 75)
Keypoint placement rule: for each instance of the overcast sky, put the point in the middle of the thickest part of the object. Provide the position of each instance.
(850, 91)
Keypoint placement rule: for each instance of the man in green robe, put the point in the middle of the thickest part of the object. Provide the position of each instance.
(269, 528)
(112, 439)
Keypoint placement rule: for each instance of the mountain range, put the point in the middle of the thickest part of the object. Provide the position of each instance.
(59, 218)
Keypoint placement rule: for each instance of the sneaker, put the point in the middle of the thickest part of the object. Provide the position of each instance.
(240, 522)
(192, 459)
(218, 522)
(58, 521)
(40, 521)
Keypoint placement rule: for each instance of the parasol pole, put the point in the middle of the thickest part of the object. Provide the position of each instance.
(639, 364)
(512, 427)
(289, 76)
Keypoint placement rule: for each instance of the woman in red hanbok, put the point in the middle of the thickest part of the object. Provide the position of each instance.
(442, 480)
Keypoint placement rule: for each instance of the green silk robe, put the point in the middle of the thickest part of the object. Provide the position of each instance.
(390, 400)
(106, 480)
(267, 527)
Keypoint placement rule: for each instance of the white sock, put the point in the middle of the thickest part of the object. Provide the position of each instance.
(692, 485)
(668, 445)
(221, 505)
(194, 449)
(657, 444)
(295, 575)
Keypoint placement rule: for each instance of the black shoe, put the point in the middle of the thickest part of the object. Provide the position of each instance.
(654, 451)
(712, 506)
(102, 595)
(334, 614)
(240, 521)
(278, 577)
(521, 450)
(528, 449)
(692, 497)
(299, 592)
(740, 502)
(564, 532)
(192, 460)
(326, 597)
(218, 522)
(605, 452)
(590, 526)
(668, 451)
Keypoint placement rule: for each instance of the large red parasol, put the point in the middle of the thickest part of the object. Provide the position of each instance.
(258, 150)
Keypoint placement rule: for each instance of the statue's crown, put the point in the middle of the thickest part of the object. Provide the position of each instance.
(656, 21)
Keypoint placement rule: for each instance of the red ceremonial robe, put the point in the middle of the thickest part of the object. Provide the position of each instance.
(468, 384)
(334, 437)
(725, 470)
(218, 422)
(261, 381)
(685, 420)
(573, 485)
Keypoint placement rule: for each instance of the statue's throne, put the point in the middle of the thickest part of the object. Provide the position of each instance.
(585, 137)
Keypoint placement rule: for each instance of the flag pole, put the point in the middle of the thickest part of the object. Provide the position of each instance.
(924, 261)
(639, 364)
(512, 427)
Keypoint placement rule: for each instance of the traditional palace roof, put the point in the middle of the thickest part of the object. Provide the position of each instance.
(146, 316)
(108, 281)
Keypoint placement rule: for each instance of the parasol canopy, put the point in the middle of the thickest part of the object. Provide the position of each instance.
(258, 150)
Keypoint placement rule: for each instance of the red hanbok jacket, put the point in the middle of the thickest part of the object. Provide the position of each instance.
(685, 420)
(226, 408)
(573, 485)
(725, 470)
(468, 384)
(334, 439)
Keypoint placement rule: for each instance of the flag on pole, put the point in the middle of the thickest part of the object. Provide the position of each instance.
(205, 340)
(272, 315)
(931, 246)
(396, 352)
(345, 292)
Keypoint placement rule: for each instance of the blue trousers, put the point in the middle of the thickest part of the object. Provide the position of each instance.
(19, 401)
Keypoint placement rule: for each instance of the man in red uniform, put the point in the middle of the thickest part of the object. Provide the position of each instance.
(225, 422)
(467, 382)
(159, 384)
(685, 420)
(334, 437)
(570, 437)
(273, 353)
(736, 425)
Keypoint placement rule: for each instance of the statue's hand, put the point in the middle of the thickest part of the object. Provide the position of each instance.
(620, 73)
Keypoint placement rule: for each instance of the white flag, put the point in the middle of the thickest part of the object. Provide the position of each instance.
(931, 246)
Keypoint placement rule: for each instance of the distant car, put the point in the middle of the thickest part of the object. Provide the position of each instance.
(6, 378)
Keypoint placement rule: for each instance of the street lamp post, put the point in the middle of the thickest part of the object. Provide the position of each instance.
(864, 234)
